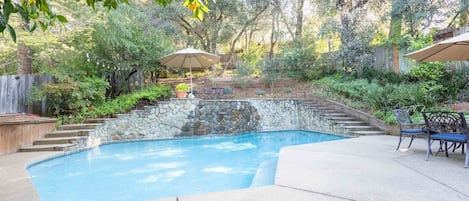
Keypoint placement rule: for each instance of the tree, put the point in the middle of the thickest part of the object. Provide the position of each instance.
(291, 13)
(126, 46)
(40, 12)
(419, 15)
(464, 7)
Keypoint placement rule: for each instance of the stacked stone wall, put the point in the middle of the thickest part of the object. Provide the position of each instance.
(195, 117)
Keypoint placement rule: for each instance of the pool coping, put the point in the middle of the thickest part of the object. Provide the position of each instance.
(364, 168)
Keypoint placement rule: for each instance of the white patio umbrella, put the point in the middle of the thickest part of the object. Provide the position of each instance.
(190, 58)
(453, 49)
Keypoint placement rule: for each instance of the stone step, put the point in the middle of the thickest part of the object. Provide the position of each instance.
(68, 133)
(323, 108)
(78, 126)
(374, 132)
(335, 114)
(347, 118)
(96, 121)
(314, 104)
(360, 128)
(57, 140)
(54, 147)
(350, 123)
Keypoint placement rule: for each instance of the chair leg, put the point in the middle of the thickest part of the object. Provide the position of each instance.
(446, 149)
(466, 163)
(411, 140)
(400, 140)
(429, 150)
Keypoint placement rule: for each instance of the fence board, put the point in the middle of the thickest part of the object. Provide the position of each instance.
(15, 91)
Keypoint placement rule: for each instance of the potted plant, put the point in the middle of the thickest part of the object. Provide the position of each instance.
(181, 90)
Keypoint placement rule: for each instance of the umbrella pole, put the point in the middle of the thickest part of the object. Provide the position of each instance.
(190, 71)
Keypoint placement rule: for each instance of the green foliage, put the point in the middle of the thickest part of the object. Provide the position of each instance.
(243, 73)
(253, 56)
(457, 85)
(271, 72)
(40, 12)
(417, 43)
(260, 92)
(126, 44)
(182, 87)
(227, 90)
(126, 102)
(382, 99)
(417, 14)
(300, 62)
(68, 96)
(428, 71)
(381, 76)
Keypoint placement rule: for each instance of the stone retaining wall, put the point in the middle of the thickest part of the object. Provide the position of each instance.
(189, 117)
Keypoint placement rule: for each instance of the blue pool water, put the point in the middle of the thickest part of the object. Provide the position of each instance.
(166, 168)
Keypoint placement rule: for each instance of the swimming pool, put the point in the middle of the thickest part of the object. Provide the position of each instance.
(166, 168)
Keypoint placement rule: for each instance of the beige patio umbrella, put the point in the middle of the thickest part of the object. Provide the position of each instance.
(453, 49)
(190, 58)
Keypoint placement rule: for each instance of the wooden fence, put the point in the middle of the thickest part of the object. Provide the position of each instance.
(15, 93)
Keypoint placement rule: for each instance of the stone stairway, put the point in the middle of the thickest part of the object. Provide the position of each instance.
(64, 138)
(351, 124)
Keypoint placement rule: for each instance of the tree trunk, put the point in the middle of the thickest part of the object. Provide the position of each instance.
(273, 40)
(241, 32)
(299, 19)
(24, 59)
(395, 33)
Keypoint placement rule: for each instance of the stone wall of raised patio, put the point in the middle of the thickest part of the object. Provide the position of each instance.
(194, 117)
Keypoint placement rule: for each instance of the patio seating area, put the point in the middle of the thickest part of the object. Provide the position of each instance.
(446, 127)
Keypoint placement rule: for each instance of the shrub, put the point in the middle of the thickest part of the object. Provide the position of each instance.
(271, 72)
(227, 90)
(68, 96)
(260, 92)
(301, 62)
(126, 102)
(243, 72)
(415, 97)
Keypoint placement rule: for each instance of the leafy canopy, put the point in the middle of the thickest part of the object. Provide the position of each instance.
(40, 12)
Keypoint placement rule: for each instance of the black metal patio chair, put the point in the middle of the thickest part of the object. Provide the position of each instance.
(447, 127)
(407, 128)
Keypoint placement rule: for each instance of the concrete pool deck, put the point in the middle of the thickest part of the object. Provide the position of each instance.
(364, 168)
